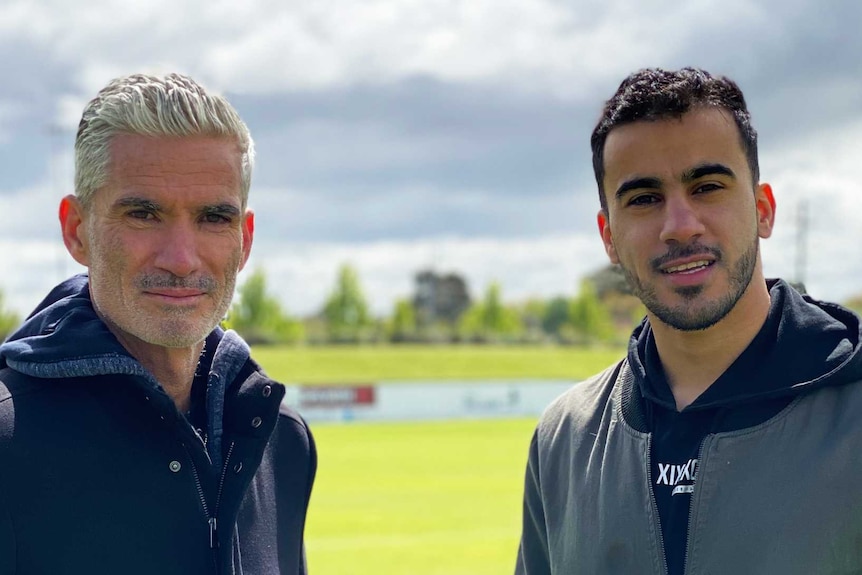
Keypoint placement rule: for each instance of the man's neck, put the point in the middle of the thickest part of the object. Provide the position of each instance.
(173, 368)
(694, 360)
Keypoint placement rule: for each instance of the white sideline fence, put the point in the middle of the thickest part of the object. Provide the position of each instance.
(424, 400)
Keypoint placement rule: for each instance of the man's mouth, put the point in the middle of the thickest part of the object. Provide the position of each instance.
(175, 293)
(688, 268)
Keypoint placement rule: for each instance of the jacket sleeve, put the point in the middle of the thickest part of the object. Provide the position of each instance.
(7, 540)
(312, 473)
(303, 563)
(533, 552)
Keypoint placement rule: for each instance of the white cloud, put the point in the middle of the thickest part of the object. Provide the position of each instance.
(268, 46)
(538, 42)
(32, 267)
(30, 213)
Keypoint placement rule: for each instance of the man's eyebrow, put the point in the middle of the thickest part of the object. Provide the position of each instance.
(707, 170)
(222, 209)
(135, 202)
(687, 176)
(637, 184)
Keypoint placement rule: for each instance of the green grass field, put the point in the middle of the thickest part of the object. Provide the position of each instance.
(421, 498)
(358, 364)
(418, 498)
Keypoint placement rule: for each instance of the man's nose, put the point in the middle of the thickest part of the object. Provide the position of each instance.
(682, 221)
(179, 249)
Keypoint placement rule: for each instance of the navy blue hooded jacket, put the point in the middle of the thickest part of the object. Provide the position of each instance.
(99, 472)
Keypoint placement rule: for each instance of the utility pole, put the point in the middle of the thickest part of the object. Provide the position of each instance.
(801, 240)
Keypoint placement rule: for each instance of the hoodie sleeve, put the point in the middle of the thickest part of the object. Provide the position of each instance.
(533, 553)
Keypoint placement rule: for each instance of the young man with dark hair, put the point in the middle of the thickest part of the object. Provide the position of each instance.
(727, 440)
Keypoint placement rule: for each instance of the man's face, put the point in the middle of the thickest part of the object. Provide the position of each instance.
(684, 216)
(165, 238)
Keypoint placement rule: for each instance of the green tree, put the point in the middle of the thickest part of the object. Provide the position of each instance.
(346, 310)
(490, 319)
(589, 318)
(9, 320)
(556, 315)
(258, 316)
(531, 313)
(402, 326)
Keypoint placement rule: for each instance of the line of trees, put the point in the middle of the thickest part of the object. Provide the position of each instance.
(441, 311)
(602, 312)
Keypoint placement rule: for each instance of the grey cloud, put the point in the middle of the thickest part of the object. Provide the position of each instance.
(798, 64)
(421, 159)
(418, 132)
(402, 214)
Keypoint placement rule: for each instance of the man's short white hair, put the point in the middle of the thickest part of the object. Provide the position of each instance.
(173, 106)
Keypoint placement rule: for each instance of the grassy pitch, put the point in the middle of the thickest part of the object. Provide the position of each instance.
(366, 364)
(418, 498)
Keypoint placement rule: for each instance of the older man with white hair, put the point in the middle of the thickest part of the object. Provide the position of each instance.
(136, 436)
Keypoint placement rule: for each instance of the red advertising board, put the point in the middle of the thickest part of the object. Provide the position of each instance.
(336, 395)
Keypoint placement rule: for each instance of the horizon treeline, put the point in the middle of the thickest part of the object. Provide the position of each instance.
(440, 311)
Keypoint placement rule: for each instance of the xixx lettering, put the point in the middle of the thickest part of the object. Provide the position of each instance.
(681, 477)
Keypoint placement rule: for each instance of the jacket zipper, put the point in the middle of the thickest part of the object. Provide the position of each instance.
(691, 503)
(212, 520)
(655, 505)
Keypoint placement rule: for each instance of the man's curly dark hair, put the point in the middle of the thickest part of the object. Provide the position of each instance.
(655, 94)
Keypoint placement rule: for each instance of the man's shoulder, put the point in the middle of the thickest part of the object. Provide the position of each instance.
(15, 384)
(20, 399)
(843, 400)
(290, 425)
(287, 415)
(584, 402)
(293, 444)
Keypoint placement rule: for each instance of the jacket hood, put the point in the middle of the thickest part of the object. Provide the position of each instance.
(805, 344)
(64, 337)
(64, 333)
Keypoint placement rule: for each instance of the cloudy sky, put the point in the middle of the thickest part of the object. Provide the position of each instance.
(399, 135)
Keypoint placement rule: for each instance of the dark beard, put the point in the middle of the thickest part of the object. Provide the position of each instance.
(682, 317)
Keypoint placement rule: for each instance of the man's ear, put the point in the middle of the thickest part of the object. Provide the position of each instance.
(247, 236)
(765, 203)
(73, 226)
(607, 238)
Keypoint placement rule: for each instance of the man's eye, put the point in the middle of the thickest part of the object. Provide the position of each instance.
(141, 215)
(707, 187)
(643, 200)
(216, 219)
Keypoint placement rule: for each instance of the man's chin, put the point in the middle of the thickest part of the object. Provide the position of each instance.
(175, 334)
(689, 293)
(691, 315)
